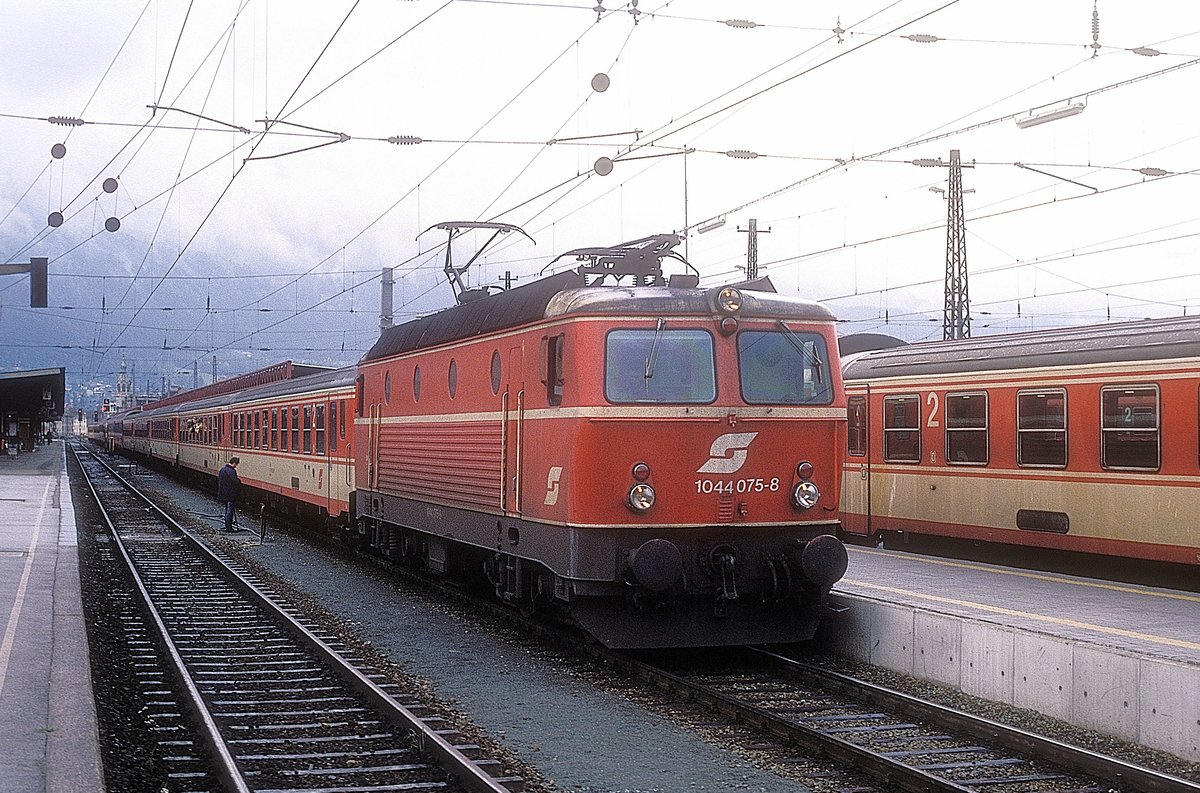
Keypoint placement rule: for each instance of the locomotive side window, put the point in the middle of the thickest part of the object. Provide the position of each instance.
(856, 433)
(552, 368)
(902, 429)
(1129, 427)
(967, 428)
(783, 367)
(674, 366)
(416, 384)
(360, 384)
(387, 388)
(452, 378)
(320, 428)
(1042, 428)
(495, 371)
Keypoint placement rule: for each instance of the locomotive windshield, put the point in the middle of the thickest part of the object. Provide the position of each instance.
(784, 367)
(660, 365)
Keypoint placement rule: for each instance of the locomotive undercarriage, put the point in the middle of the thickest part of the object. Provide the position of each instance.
(628, 587)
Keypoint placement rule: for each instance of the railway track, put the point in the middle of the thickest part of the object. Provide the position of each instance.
(869, 738)
(897, 741)
(274, 705)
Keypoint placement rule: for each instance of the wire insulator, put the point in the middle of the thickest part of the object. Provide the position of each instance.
(741, 23)
(405, 140)
(66, 121)
(741, 154)
(922, 38)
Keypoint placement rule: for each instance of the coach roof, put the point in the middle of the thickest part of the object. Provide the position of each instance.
(1145, 340)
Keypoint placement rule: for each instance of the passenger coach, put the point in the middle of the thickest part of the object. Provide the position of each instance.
(1081, 439)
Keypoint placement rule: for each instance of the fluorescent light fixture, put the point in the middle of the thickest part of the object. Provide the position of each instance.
(711, 225)
(1066, 111)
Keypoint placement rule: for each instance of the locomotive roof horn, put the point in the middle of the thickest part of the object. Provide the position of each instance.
(455, 229)
(640, 260)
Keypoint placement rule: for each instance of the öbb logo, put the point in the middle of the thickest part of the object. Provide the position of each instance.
(728, 453)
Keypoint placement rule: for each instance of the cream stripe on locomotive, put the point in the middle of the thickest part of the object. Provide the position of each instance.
(674, 411)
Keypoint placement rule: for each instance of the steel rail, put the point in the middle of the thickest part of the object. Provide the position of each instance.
(466, 771)
(1071, 758)
(227, 768)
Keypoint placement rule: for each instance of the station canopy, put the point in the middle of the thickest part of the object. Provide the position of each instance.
(36, 394)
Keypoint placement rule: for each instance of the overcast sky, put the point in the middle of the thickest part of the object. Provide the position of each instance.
(235, 238)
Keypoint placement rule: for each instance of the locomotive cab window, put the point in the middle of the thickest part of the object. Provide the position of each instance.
(967, 429)
(552, 369)
(902, 429)
(783, 367)
(1042, 428)
(660, 365)
(1129, 427)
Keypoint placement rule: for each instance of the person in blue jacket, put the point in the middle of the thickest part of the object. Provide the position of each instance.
(227, 489)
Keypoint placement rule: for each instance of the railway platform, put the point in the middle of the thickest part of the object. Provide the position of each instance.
(1121, 659)
(48, 734)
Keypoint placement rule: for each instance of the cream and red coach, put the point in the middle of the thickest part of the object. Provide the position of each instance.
(1081, 439)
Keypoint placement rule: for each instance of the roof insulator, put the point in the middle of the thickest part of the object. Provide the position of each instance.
(405, 140)
(1149, 52)
(741, 154)
(741, 23)
(922, 38)
(66, 121)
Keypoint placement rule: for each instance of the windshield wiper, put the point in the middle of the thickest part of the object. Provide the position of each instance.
(798, 343)
(658, 330)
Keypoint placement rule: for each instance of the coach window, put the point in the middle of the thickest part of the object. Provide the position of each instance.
(902, 429)
(659, 365)
(333, 426)
(308, 422)
(1042, 428)
(967, 429)
(237, 429)
(1129, 427)
(274, 429)
(342, 421)
(320, 428)
(257, 429)
(495, 371)
(856, 433)
(295, 429)
(266, 420)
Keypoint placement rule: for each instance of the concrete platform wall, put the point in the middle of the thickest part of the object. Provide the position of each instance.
(1145, 700)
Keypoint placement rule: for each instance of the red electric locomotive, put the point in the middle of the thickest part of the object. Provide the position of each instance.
(1077, 439)
(659, 461)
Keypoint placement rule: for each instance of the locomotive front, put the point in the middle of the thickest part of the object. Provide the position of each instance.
(700, 488)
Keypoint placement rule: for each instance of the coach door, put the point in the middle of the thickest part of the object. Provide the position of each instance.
(513, 430)
(856, 479)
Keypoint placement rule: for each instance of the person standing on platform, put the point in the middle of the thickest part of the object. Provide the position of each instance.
(227, 489)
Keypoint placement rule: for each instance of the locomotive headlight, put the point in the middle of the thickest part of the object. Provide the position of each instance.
(805, 495)
(729, 300)
(641, 497)
(804, 470)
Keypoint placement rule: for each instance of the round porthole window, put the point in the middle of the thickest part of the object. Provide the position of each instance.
(495, 371)
(387, 388)
(452, 378)
(417, 384)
